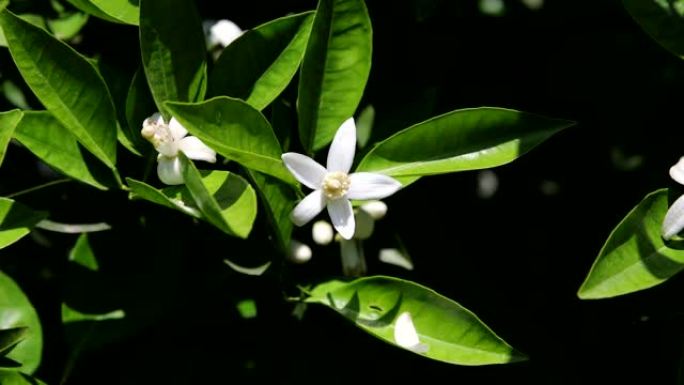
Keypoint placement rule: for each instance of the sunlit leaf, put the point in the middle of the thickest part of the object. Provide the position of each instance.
(448, 331)
(635, 256)
(8, 122)
(16, 220)
(278, 200)
(125, 11)
(68, 26)
(17, 311)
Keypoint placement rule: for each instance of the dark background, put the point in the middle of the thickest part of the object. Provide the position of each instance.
(515, 259)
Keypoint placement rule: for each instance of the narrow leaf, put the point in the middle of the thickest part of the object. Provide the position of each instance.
(460, 140)
(447, 331)
(140, 190)
(125, 11)
(635, 256)
(16, 220)
(261, 63)
(88, 7)
(66, 83)
(663, 20)
(8, 122)
(334, 71)
(278, 200)
(235, 130)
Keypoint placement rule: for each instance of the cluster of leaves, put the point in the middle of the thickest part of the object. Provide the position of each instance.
(238, 106)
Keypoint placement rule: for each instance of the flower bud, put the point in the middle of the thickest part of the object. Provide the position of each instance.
(322, 233)
(364, 225)
(299, 252)
(376, 209)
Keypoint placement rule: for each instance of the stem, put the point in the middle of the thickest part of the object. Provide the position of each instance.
(39, 187)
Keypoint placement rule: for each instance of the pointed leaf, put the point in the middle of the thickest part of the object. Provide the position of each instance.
(663, 20)
(17, 311)
(139, 106)
(225, 199)
(66, 83)
(88, 7)
(8, 122)
(235, 130)
(173, 51)
(449, 332)
(169, 197)
(635, 256)
(334, 71)
(16, 220)
(460, 140)
(261, 63)
(47, 139)
(12, 377)
(278, 200)
(125, 11)
(10, 337)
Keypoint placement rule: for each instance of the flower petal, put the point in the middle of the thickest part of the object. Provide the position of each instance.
(677, 171)
(155, 118)
(343, 147)
(177, 130)
(169, 170)
(342, 217)
(308, 208)
(369, 185)
(224, 32)
(674, 219)
(305, 169)
(194, 148)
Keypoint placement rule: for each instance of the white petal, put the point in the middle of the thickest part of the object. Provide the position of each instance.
(343, 147)
(376, 209)
(368, 185)
(156, 118)
(342, 217)
(194, 148)
(322, 232)
(224, 32)
(405, 334)
(308, 208)
(169, 170)
(305, 169)
(674, 219)
(177, 130)
(396, 257)
(677, 171)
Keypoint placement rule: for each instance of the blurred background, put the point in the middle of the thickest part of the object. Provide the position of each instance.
(512, 244)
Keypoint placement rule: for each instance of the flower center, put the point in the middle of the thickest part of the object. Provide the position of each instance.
(160, 136)
(336, 184)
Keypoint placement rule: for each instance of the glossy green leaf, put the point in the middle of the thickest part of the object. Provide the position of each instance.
(88, 7)
(364, 125)
(37, 20)
(12, 377)
(17, 311)
(170, 198)
(68, 26)
(235, 130)
(66, 83)
(451, 333)
(635, 256)
(125, 11)
(47, 139)
(278, 200)
(8, 122)
(83, 255)
(16, 220)
(460, 140)
(139, 106)
(334, 71)
(173, 51)
(261, 63)
(663, 20)
(225, 199)
(10, 337)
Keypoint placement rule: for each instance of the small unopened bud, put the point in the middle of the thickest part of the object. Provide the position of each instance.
(353, 258)
(299, 252)
(364, 225)
(322, 233)
(376, 209)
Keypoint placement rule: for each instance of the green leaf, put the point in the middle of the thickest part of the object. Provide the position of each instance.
(172, 198)
(16, 220)
(66, 83)
(261, 63)
(17, 311)
(70, 315)
(334, 71)
(8, 122)
(37, 20)
(139, 106)
(12, 377)
(173, 51)
(635, 256)
(235, 130)
(364, 125)
(225, 199)
(68, 26)
(278, 200)
(452, 333)
(10, 337)
(460, 140)
(83, 255)
(125, 11)
(663, 20)
(88, 7)
(47, 139)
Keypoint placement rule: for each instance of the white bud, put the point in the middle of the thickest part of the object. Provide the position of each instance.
(677, 171)
(376, 209)
(353, 259)
(364, 225)
(299, 252)
(322, 233)
(222, 33)
(487, 184)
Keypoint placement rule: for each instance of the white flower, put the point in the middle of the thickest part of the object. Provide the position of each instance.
(405, 334)
(168, 139)
(222, 32)
(334, 186)
(674, 219)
